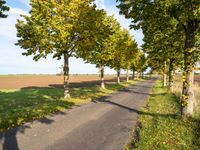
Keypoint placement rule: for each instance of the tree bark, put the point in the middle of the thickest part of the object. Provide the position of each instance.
(192, 77)
(66, 76)
(171, 76)
(142, 75)
(133, 74)
(127, 75)
(118, 76)
(188, 98)
(164, 82)
(102, 77)
(137, 75)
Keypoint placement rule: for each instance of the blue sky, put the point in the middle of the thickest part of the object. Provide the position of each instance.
(11, 60)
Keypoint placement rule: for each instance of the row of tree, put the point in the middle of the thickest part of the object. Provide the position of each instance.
(78, 29)
(171, 39)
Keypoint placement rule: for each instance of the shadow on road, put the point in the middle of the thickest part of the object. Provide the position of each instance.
(29, 102)
(135, 110)
(26, 100)
(23, 105)
(8, 139)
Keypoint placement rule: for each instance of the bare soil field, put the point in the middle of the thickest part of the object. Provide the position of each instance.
(20, 81)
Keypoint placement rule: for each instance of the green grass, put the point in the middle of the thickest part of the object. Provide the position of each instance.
(161, 126)
(23, 105)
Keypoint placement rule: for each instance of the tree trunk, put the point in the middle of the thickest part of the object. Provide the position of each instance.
(164, 82)
(188, 98)
(127, 75)
(102, 77)
(118, 77)
(192, 77)
(133, 74)
(142, 75)
(136, 75)
(171, 76)
(66, 76)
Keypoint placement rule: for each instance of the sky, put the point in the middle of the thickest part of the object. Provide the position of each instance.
(12, 61)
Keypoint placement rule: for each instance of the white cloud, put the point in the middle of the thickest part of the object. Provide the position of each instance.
(100, 4)
(13, 62)
(18, 11)
(8, 29)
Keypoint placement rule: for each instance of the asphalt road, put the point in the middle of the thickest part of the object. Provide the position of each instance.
(100, 125)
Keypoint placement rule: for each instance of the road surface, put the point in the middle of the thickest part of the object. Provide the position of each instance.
(100, 125)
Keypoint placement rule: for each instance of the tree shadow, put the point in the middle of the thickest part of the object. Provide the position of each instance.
(24, 105)
(87, 83)
(20, 106)
(137, 86)
(193, 123)
(196, 132)
(134, 90)
(105, 100)
(30, 103)
(8, 139)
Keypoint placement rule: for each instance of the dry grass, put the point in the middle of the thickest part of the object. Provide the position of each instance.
(196, 88)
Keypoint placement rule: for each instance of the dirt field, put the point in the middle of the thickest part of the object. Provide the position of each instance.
(16, 82)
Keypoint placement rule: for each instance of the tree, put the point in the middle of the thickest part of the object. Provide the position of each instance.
(165, 41)
(164, 46)
(53, 28)
(142, 65)
(3, 8)
(102, 42)
(134, 64)
(185, 14)
(118, 53)
(131, 54)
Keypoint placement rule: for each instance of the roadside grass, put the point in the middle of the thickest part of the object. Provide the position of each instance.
(196, 88)
(22, 105)
(197, 96)
(161, 126)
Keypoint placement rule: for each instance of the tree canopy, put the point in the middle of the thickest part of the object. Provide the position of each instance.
(55, 27)
(171, 28)
(3, 8)
(75, 29)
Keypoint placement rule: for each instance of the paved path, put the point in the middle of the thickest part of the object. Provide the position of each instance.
(99, 125)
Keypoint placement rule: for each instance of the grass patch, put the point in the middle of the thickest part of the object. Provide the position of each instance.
(161, 125)
(23, 105)
(196, 87)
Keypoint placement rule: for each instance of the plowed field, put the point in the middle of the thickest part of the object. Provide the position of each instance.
(20, 81)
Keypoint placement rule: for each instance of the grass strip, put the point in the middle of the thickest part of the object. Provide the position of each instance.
(161, 126)
(22, 105)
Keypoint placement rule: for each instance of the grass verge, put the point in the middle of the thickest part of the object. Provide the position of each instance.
(196, 87)
(161, 125)
(23, 105)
